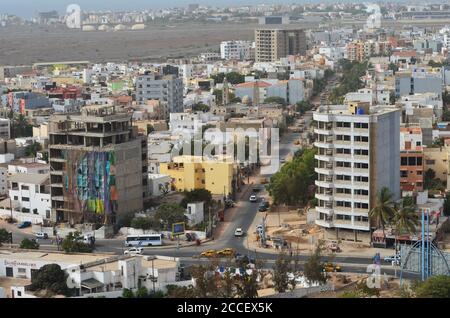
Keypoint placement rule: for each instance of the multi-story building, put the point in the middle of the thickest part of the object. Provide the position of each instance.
(98, 165)
(419, 80)
(358, 153)
(237, 50)
(411, 159)
(5, 129)
(168, 89)
(30, 193)
(273, 44)
(194, 172)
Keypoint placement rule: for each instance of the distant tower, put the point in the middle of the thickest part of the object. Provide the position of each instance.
(256, 94)
(225, 92)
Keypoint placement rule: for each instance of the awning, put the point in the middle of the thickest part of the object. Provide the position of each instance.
(91, 283)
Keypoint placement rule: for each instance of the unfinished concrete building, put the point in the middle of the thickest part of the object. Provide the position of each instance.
(98, 166)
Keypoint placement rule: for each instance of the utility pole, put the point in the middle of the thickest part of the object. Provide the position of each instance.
(153, 277)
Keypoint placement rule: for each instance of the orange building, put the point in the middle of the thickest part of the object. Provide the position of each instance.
(411, 159)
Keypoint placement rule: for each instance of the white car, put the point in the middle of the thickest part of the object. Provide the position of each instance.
(253, 198)
(41, 235)
(239, 232)
(134, 251)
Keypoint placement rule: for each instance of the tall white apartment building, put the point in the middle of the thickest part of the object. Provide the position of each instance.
(237, 50)
(358, 153)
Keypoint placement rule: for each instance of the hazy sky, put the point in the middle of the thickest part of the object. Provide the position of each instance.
(28, 8)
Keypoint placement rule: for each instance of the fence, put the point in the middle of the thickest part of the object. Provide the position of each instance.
(302, 292)
(22, 217)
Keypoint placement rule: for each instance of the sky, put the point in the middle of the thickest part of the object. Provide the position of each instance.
(28, 8)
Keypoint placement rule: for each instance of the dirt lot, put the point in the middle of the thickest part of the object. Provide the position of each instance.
(26, 45)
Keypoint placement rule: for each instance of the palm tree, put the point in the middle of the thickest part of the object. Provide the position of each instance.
(383, 210)
(405, 219)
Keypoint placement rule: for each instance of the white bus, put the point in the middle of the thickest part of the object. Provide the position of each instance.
(144, 240)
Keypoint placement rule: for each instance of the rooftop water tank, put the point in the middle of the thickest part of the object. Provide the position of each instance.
(359, 111)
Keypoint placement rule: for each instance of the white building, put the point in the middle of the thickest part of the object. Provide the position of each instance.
(30, 193)
(94, 274)
(159, 184)
(237, 50)
(5, 129)
(358, 153)
(195, 213)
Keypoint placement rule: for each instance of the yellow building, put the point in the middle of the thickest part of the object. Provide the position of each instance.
(194, 172)
(437, 160)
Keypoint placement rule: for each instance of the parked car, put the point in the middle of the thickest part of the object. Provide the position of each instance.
(209, 253)
(226, 252)
(239, 232)
(24, 225)
(41, 235)
(134, 251)
(229, 203)
(253, 198)
(330, 267)
(262, 208)
(393, 259)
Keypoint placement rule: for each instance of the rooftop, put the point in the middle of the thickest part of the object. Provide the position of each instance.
(33, 178)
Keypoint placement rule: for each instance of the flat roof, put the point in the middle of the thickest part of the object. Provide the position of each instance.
(52, 257)
(34, 178)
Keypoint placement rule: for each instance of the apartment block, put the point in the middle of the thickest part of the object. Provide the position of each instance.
(411, 159)
(358, 153)
(419, 80)
(273, 44)
(237, 50)
(194, 172)
(168, 89)
(98, 166)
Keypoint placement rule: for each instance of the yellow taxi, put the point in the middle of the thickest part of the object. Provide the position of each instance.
(209, 253)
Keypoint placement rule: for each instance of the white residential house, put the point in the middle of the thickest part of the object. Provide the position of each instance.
(159, 184)
(30, 193)
(195, 213)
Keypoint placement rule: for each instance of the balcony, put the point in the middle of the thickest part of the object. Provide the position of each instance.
(324, 196)
(326, 158)
(324, 184)
(342, 196)
(325, 210)
(323, 131)
(324, 223)
(324, 171)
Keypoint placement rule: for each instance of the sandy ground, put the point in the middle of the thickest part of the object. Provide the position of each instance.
(26, 45)
(303, 237)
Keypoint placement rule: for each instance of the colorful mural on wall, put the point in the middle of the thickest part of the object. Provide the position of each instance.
(90, 181)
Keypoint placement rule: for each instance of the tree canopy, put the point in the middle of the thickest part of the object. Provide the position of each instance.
(434, 287)
(351, 79)
(29, 244)
(291, 185)
(275, 100)
(51, 278)
(170, 213)
(232, 78)
(73, 243)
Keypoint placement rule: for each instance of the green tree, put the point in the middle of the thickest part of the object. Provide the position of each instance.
(142, 292)
(200, 107)
(32, 150)
(73, 243)
(127, 293)
(351, 79)
(248, 286)
(405, 219)
(429, 177)
(304, 106)
(150, 128)
(170, 213)
(145, 223)
(29, 244)
(51, 278)
(292, 184)
(275, 100)
(434, 287)
(197, 195)
(393, 67)
(447, 204)
(313, 269)
(4, 236)
(20, 127)
(383, 210)
(232, 78)
(280, 273)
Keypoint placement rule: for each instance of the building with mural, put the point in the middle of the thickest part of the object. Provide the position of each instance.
(98, 166)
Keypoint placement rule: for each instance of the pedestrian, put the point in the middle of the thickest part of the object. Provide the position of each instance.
(290, 253)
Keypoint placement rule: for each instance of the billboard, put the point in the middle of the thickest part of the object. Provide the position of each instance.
(178, 228)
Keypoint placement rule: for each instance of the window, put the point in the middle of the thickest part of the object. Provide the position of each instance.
(430, 162)
(24, 187)
(361, 152)
(359, 165)
(404, 161)
(403, 174)
(361, 139)
(361, 125)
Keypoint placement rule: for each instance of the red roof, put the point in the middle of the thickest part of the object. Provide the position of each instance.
(252, 84)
